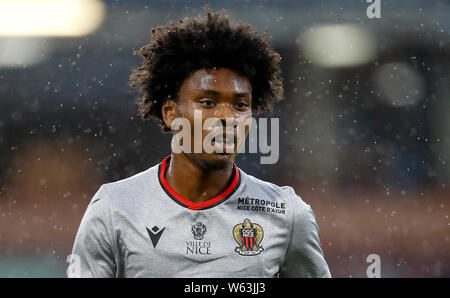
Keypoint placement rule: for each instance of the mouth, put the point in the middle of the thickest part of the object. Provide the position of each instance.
(224, 142)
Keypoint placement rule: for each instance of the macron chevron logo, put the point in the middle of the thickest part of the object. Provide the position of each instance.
(155, 233)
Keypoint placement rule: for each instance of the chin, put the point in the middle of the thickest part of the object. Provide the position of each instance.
(214, 161)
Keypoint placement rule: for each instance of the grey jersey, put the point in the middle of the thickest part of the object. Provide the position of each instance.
(140, 227)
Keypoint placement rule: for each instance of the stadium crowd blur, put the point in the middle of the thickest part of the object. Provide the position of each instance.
(364, 137)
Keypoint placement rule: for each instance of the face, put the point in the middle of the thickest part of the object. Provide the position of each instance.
(224, 99)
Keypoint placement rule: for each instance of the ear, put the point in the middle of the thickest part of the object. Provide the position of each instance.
(169, 112)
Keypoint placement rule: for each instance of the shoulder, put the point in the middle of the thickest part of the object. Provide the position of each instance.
(272, 190)
(134, 181)
(115, 192)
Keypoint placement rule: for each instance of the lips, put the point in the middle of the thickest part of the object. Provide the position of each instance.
(224, 142)
(224, 138)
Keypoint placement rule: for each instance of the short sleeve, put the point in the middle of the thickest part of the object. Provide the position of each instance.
(304, 257)
(92, 254)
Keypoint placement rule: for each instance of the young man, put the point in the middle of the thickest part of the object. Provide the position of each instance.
(196, 214)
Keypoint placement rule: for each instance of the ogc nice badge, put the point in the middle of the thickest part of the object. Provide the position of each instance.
(249, 236)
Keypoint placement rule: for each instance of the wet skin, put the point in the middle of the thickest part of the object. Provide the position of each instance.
(218, 93)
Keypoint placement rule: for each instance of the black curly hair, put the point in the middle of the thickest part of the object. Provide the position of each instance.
(205, 42)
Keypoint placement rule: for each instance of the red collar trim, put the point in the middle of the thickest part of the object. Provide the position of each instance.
(190, 205)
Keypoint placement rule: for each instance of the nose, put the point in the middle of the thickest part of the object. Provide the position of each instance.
(225, 113)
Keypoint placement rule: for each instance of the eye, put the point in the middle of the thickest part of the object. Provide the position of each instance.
(207, 103)
(242, 105)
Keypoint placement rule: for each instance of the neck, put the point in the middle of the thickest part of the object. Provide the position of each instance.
(194, 182)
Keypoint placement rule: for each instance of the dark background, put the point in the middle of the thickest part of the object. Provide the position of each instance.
(365, 142)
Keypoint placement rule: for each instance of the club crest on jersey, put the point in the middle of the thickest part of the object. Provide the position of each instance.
(249, 236)
(198, 230)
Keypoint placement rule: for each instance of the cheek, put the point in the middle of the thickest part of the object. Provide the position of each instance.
(191, 113)
(186, 110)
(246, 120)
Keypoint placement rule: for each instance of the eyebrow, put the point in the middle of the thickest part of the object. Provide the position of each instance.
(216, 93)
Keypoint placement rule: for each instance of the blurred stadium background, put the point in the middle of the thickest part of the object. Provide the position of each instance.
(365, 127)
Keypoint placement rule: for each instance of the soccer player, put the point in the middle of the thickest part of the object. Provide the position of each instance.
(196, 214)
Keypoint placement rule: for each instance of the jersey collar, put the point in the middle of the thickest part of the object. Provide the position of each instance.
(228, 192)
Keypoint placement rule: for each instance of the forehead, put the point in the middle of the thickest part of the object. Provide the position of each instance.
(222, 80)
